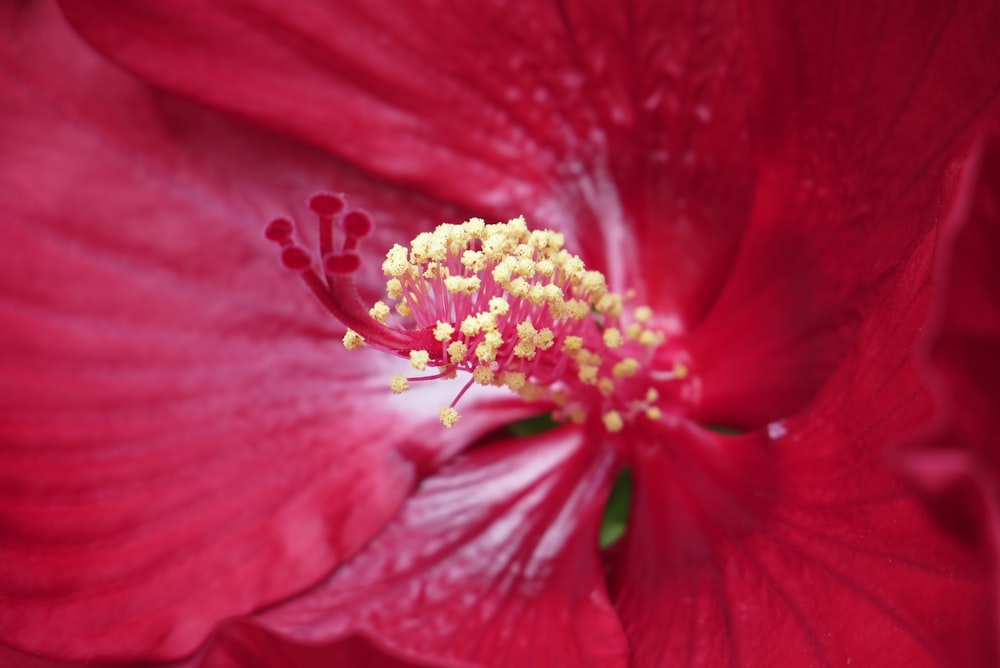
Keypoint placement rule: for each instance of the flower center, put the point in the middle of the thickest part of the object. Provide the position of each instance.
(505, 304)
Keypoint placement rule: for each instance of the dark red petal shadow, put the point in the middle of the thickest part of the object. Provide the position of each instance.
(623, 124)
(799, 544)
(961, 362)
(493, 562)
(858, 112)
(245, 645)
(182, 437)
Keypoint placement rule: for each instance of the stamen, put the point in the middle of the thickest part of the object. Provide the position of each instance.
(503, 303)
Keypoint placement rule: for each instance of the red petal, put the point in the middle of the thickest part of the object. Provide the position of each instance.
(493, 562)
(183, 437)
(964, 335)
(245, 645)
(625, 124)
(859, 111)
(798, 544)
(962, 360)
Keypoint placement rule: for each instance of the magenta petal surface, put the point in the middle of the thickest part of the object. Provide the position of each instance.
(799, 544)
(857, 114)
(614, 122)
(493, 562)
(182, 436)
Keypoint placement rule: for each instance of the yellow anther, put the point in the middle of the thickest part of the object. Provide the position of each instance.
(499, 306)
(536, 295)
(495, 246)
(594, 283)
(487, 321)
(475, 226)
(577, 415)
(430, 246)
(613, 421)
(473, 260)
(419, 359)
(531, 392)
(649, 338)
(558, 309)
(420, 248)
(504, 271)
(525, 350)
(396, 263)
(610, 304)
(554, 294)
(380, 311)
(654, 413)
(457, 351)
(633, 331)
(518, 227)
(443, 331)
(572, 266)
(470, 326)
(526, 331)
(606, 386)
(449, 416)
(625, 368)
(526, 334)
(394, 289)
(572, 345)
(435, 271)
(588, 357)
(680, 371)
(652, 394)
(353, 340)
(525, 252)
(438, 251)
(578, 309)
(519, 287)
(612, 337)
(515, 380)
(643, 314)
(399, 384)
(403, 309)
(588, 374)
(462, 284)
(483, 375)
(486, 351)
(525, 265)
(546, 240)
(545, 339)
(545, 267)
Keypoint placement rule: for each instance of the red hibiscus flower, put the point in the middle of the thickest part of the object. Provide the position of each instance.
(185, 441)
